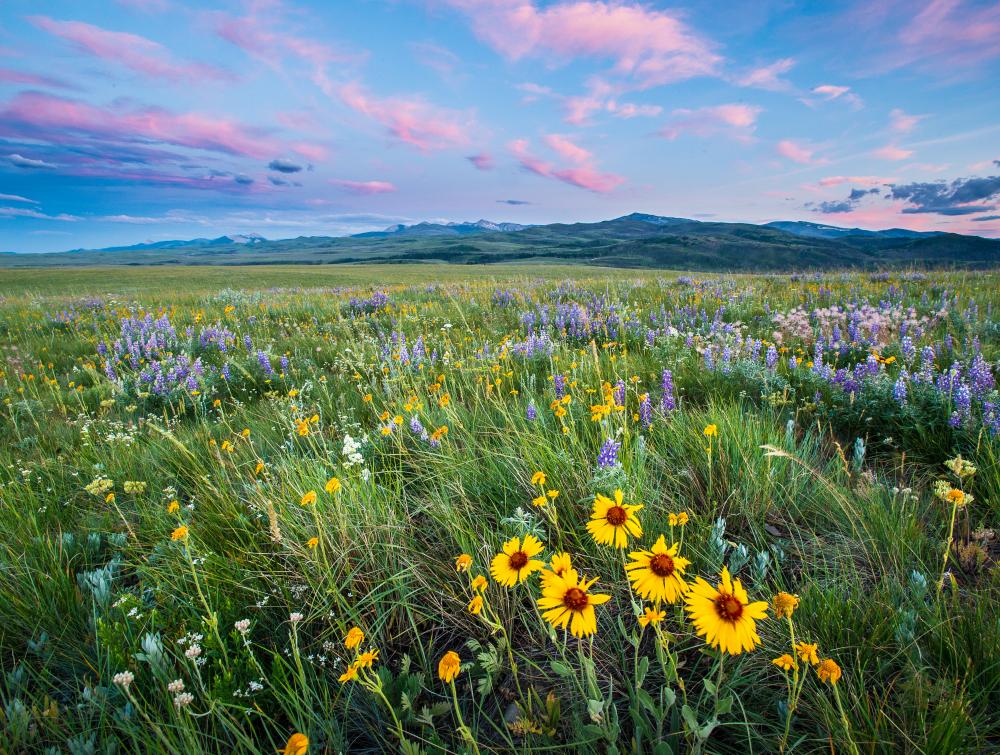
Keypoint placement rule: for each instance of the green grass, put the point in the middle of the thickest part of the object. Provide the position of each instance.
(91, 587)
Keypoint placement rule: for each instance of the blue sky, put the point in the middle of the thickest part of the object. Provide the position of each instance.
(152, 119)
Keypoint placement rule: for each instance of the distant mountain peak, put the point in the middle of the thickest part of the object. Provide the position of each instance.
(452, 228)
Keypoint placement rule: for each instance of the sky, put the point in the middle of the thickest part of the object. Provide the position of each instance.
(124, 121)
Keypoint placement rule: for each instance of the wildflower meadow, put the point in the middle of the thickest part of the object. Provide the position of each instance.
(528, 508)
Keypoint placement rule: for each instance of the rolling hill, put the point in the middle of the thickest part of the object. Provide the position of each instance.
(635, 240)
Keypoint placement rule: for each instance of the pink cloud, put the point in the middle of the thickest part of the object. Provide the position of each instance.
(129, 50)
(315, 152)
(260, 36)
(855, 180)
(892, 152)
(903, 123)
(410, 120)
(36, 115)
(652, 47)
(829, 92)
(798, 152)
(768, 77)
(482, 161)
(10, 76)
(147, 6)
(562, 146)
(582, 174)
(364, 188)
(737, 120)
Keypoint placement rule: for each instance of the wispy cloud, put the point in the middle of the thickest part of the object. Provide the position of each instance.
(892, 152)
(410, 120)
(364, 188)
(136, 53)
(798, 152)
(769, 76)
(19, 161)
(647, 46)
(734, 120)
(581, 173)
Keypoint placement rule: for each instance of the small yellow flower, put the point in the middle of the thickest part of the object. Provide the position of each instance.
(538, 478)
(333, 486)
(807, 652)
(540, 501)
(711, 431)
(651, 616)
(297, 744)
(449, 666)
(173, 507)
(828, 671)
(312, 542)
(308, 499)
(479, 583)
(785, 662)
(682, 518)
(366, 659)
(785, 604)
(476, 605)
(349, 675)
(180, 533)
(463, 562)
(354, 638)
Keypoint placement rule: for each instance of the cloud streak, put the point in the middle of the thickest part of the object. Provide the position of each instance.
(582, 172)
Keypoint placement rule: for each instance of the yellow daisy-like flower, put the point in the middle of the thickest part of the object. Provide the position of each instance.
(354, 638)
(828, 671)
(479, 583)
(540, 501)
(180, 533)
(449, 666)
(173, 507)
(784, 604)
(565, 601)
(612, 521)
(366, 659)
(807, 652)
(312, 542)
(463, 562)
(333, 485)
(711, 431)
(658, 574)
(560, 563)
(724, 615)
(349, 675)
(297, 744)
(476, 605)
(308, 499)
(538, 478)
(516, 563)
(785, 662)
(683, 518)
(651, 616)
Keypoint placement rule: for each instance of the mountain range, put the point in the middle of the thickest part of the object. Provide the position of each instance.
(635, 240)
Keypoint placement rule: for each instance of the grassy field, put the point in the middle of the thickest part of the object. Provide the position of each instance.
(362, 509)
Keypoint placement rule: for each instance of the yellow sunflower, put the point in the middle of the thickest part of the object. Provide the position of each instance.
(612, 521)
(565, 599)
(724, 615)
(658, 574)
(515, 564)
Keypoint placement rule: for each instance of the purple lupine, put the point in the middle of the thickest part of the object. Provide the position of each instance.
(899, 389)
(531, 413)
(908, 349)
(668, 403)
(645, 411)
(771, 358)
(608, 455)
(265, 363)
(559, 384)
(620, 393)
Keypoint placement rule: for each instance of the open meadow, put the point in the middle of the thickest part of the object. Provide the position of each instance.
(469, 509)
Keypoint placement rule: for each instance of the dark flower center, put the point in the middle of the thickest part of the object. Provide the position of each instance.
(518, 560)
(661, 565)
(575, 599)
(728, 607)
(616, 516)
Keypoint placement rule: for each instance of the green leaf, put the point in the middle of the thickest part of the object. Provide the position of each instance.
(560, 668)
(641, 670)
